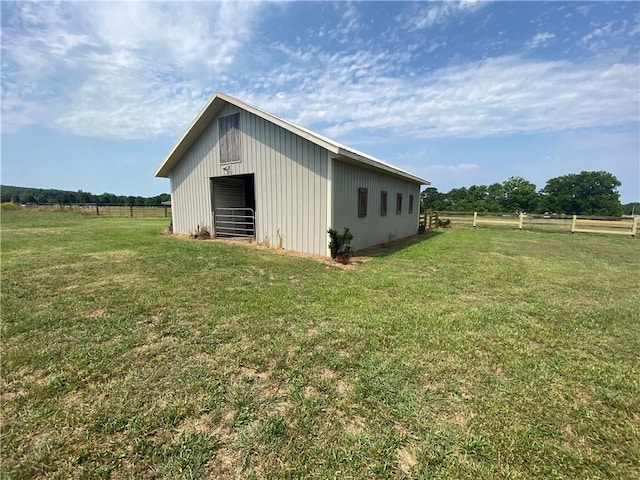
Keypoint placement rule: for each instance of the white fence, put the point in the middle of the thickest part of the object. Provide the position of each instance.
(574, 224)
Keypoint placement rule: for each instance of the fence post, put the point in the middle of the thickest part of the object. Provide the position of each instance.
(475, 219)
(634, 228)
(521, 219)
(573, 224)
(131, 210)
(97, 210)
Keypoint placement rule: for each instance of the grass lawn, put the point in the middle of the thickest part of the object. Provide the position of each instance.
(468, 354)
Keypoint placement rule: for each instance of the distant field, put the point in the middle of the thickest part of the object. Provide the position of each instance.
(482, 353)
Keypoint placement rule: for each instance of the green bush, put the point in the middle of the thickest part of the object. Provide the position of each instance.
(340, 243)
(8, 206)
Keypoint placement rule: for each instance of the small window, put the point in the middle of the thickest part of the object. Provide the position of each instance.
(383, 203)
(229, 130)
(410, 204)
(362, 202)
(399, 204)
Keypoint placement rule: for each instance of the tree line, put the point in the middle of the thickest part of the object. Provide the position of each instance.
(64, 197)
(585, 193)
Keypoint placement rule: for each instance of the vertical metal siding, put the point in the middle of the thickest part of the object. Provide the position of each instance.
(374, 228)
(329, 199)
(291, 187)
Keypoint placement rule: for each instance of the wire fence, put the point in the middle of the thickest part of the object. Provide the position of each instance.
(107, 210)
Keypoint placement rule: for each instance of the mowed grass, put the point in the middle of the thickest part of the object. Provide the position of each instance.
(467, 354)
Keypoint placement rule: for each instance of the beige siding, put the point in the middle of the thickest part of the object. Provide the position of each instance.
(290, 183)
(374, 228)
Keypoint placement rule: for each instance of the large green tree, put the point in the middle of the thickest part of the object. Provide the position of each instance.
(585, 193)
(519, 195)
(431, 199)
(495, 196)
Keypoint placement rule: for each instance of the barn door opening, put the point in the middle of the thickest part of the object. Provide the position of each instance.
(233, 199)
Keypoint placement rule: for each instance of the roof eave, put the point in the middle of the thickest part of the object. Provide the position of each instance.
(378, 165)
(281, 122)
(182, 145)
(208, 113)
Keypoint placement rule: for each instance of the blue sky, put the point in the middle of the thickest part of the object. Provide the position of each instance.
(94, 95)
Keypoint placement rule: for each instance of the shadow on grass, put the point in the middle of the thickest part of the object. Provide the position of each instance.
(390, 248)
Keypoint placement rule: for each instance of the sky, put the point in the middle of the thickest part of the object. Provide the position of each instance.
(96, 94)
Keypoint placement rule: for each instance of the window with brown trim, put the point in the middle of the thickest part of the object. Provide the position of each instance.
(383, 203)
(398, 204)
(362, 202)
(410, 204)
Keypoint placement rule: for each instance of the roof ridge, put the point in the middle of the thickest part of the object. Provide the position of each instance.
(196, 128)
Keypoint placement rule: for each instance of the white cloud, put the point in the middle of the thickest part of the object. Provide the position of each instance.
(605, 37)
(350, 20)
(129, 70)
(598, 32)
(497, 96)
(427, 15)
(583, 9)
(94, 69)
(540, 40)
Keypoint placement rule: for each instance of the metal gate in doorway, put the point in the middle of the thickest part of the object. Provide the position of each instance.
(234, 222)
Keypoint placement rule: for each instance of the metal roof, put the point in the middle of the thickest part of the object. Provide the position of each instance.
(219, 99)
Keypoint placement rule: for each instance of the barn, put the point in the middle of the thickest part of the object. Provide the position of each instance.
(239, 171)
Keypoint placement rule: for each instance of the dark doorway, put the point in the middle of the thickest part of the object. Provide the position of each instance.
(234, 203)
